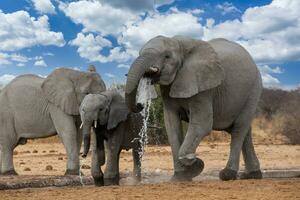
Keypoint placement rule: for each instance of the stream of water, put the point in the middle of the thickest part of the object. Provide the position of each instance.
(145, 94)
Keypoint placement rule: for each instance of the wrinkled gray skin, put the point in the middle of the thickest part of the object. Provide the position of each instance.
(35, 107)
(213, 85)
(120, 128)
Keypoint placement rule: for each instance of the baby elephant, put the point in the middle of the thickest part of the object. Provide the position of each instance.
(118, 127)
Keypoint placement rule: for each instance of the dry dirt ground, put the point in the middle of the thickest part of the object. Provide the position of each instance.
(50, 159)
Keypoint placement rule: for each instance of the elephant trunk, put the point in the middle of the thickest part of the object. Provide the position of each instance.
(86, 132)
(143, 65)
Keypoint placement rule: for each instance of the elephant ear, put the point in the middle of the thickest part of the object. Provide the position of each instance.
(60, 91)
(118, 112)
(200, 70)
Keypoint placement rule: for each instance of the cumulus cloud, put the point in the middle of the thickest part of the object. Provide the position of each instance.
(271, 33)
(109, 75)
(268, 69)
(101, 18)
(19, 30)
(123, 66)
(137, 34)
(227, 8)
(9, 58)
(5, 79)
(267, 76)
(44, 6)
(20, 64)
(40, 63)
(132, 30)
(90, 46)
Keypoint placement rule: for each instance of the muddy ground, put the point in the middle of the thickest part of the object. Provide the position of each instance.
(50, 159)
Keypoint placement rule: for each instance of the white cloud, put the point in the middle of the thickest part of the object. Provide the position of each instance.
(44, 6)
(196, 11)
(109, 75)
(97, 17)
(270, 81)
(132, 30)
(123, 66)
(267, 69)
(155, 24)
(90, 47)
(48, 54)
(20, 64)
(271, 33)
(227, 8)
(19, 30)
(40, 63)
(6, 58)
(5, 79)
(19, 58)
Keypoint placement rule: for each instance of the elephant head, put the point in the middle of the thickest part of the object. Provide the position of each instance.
(66, 88)
(189, 66)
(108, 108)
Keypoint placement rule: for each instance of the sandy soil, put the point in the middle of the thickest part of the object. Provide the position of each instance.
(36, 159)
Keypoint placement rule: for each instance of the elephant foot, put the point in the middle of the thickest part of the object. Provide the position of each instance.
(73, 172)
(228, 174)
(112, 181)
(189, 171)
(10, 173)
(252, 175)
(98, 181)
(180, 177)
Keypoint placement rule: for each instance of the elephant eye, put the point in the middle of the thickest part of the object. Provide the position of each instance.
(167, 56)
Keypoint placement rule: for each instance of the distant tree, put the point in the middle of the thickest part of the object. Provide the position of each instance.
(156, 131)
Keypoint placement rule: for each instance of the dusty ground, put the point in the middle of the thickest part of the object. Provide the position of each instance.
(50, 159)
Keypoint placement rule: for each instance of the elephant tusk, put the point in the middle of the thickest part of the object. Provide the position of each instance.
(154, 69)
(81, 125)
(95, 123)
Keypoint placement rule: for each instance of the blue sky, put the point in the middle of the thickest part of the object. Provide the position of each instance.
(37, 36)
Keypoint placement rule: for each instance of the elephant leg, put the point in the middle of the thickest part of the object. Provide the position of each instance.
(66, 129)
(252, 166)
(200, 125)
(98, 159)
(111, 173)
(136, 163)
(174, 131)
(7, 145)
(6, 157)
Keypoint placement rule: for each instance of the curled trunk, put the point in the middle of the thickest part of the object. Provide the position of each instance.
(136, 72)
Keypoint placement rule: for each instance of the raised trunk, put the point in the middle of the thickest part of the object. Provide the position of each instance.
(86, 132)
(136, 72)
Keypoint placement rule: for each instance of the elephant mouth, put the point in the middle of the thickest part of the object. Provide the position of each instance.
(153, 73)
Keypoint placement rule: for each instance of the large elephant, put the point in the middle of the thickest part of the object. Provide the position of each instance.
(213, 85)
(35, 107)
(113, 122)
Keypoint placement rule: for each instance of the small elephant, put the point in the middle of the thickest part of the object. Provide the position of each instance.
(213, 85)
(120, 129)
(35, 107)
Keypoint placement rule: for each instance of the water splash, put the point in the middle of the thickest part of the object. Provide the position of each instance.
(145, 94)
